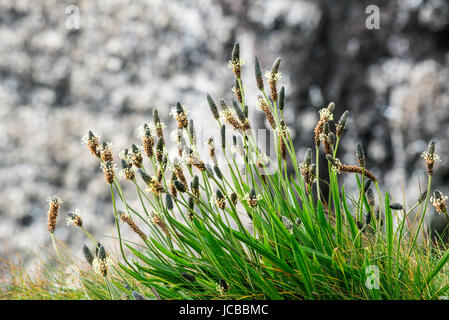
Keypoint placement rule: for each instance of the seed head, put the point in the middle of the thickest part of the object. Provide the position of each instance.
(158, 125)
(91, 141)
(223, 137)
(360, 154)
(191, 202)
(179, 112)
(439, 201)
(178, 171)
(188, 276)
(195, 186)
(238, 111)
(130, 222)
(326, 129)
(223, 286)
(430, 156)
(127, 171)
(378, 216)
(154, 187)
(272, 77)
(308, 157)
(97, 247)
(287, 223)
(101, 262)
(160, 174)
(227, 115)
(213, 107)
(236, 63)
(341, 124)
(197, 162)
(192, 131)
(370, 197)
(54, 205)
(136, 156)
(106, 152)
(156, 117)
(147, 141)
(236, 90)
(339, 167)
(181, 187)
(156, 219)
(88, 254)
(335, 163)
(108, 170)
(220, 200)
(127, 156)
(282, 146)
(324, 137)
(145, 177)
(218, 172)
(331, 138)
(211, 146)
(326, 114)
(169, 201)
(368, 218)
(173, 190)
(258, 72)
(396, 206)
(281, 98)
(234, 198)
(252, 198)
(422, 197)
(74, 219)
(160, 150)
(306, 168)
(266, 109)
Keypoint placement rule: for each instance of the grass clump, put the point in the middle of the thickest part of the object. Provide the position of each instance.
(238, 223)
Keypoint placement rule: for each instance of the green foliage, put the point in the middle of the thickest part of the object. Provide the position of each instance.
(296, 246)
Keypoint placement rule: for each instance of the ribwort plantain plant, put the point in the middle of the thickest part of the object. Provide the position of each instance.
(250, 228)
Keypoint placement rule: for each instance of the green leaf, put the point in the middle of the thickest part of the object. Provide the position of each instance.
(389, 231)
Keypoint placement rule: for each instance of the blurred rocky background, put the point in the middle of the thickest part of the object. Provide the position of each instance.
(129, 56)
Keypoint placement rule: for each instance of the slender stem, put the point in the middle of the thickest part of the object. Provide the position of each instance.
(420, 222)
(317, 173)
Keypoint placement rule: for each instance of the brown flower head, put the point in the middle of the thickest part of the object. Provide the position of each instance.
(236, 63)
(263, 105)
(54, 205)
(430, 156)
(156, 219)
(130, 222)
(219, 199)
(136, 156)
(74, 219)
(108, 170)
(91, 141)
(147, 141)
(272, 77)
(252, 198)
(106, 152)
(340, 127)
(179, 112)
(439, 201)
(127, 171)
